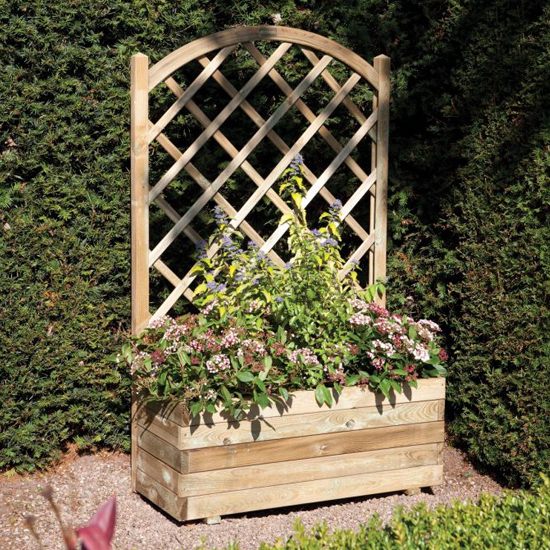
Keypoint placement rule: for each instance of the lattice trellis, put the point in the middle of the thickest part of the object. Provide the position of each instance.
(145, 132)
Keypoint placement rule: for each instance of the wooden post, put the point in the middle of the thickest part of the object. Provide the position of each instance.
(372, 199)
(382, 65)
(139, 155)
(140, 193)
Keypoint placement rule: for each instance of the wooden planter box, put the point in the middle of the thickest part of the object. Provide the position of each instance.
(302, 453)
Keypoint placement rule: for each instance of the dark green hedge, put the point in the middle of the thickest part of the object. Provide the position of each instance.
(469, 204)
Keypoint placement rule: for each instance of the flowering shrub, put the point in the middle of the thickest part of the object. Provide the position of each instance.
(263, 330)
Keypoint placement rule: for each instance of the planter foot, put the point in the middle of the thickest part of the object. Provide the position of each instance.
(411, 492)
(214, 520)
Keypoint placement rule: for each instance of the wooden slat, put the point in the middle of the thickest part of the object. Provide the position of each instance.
(174, 216)
(237, 161)
(303, 402)
(161, 496)
(282, 450)
(231, 433)
(382, 65)
(372, 205)
(324, 132)
(203, 46)
(363, 248)
(218, 121)
(280, 144)
(162, 450)
(166, 272)
(358, 194)
(229, 148)
(191, 90)
(313, 491)
(325, 176)
(296, 471)
(248, 230)
(333, 84)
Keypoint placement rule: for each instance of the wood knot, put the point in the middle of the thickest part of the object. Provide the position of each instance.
(350, 424)
(227, 441)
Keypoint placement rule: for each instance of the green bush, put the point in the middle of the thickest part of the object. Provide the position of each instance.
(514, 521)
(469, 204)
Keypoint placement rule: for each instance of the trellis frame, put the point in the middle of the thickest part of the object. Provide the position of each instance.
(143, 132)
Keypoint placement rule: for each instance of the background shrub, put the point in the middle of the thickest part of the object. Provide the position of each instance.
(469, 204)
(519, 520)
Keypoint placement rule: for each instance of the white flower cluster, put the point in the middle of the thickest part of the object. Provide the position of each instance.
(139, 359)
(360, 319)
(157, 322)
(217, 363)
(230, 339)
(426, 329)
(358, 304)
(385, 347)
(208, 309)
(420, 353)
(308, 356)
(252, 346)
(211, 395)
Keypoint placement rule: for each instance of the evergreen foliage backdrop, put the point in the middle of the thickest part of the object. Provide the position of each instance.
(469, 204)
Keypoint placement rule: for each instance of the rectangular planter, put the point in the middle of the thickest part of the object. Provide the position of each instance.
(295, 453)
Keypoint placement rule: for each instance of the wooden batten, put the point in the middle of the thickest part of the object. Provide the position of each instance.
(295, 471)
(287, 426)
(304, 402)
(311, 491)
(282, 450)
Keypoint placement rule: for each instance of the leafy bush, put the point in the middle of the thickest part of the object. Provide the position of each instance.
(516, 520)
(265, 330)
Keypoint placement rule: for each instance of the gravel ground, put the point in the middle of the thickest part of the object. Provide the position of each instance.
(82, 484)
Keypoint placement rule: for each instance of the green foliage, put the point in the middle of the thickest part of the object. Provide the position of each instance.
(265, 330)
(468, 204)
(515, 520)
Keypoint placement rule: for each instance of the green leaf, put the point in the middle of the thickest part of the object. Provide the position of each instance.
(245, 376)
(284, 393)
(200, 289)
(385, 387)
(260, 384)
(262, 400)
(195, 408)
(320, 395)
(225, 394)
(396, 386)
(327, 395)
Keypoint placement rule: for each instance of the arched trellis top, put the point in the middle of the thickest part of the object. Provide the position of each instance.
(203, 46)
(143, 132)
